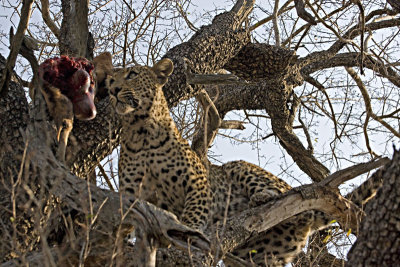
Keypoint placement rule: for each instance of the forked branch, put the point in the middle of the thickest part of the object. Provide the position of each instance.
(15, 45)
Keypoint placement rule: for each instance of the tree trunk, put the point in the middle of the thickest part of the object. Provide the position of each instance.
(378, 243)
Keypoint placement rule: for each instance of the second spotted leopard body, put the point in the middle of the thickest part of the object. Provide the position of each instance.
(280, 244)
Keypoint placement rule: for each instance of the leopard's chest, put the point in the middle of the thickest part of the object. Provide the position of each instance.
(156, 171)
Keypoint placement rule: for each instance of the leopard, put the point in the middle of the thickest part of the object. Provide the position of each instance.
(280, 244)
(155, 163)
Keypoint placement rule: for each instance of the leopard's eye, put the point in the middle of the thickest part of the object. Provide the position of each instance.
(131, 74)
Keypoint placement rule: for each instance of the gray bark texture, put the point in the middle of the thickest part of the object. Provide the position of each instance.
(378, 243)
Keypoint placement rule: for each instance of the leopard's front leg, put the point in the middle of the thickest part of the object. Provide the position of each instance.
(197, 203)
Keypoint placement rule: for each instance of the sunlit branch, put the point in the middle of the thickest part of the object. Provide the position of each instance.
(275, 23)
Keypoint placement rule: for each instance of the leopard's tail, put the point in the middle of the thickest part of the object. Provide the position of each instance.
(366, 190)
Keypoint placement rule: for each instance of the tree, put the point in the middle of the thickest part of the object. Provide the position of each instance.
(48, 213)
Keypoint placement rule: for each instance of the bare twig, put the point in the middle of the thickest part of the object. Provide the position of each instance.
(320, 87)
(304, 27)
(367, 102)
(283, 9)
(310, 146)
(183, 14)
(362, 29)
(211, 122)
(339, 177)
(105, 176)
(341, 38)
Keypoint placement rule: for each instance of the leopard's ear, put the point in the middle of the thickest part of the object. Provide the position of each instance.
(163, 70)
(103, 67)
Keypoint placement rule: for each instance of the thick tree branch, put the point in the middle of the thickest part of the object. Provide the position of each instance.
(74, 33)
(11, 140)
(351, 60)
(15, 46)
(47, 19)
(395, 5)
(367, 102)
(302, 13)
(322, 199)
(232, 124)
(339, 177)
(210, 123)
(349, 35)
(208, 50)
(273, 96)
(378, 242)
(257, 61)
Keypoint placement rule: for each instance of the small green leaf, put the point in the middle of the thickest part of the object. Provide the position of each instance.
(333, 221)
(12, 219)
(253, 251)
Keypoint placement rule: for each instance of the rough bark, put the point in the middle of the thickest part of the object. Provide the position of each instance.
(208, 50)
(379, 241)
(13, 117)
(74, 33)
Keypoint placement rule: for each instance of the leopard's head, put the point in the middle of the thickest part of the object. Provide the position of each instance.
(133, 89)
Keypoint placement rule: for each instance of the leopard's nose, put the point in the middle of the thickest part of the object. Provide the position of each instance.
(116, 90)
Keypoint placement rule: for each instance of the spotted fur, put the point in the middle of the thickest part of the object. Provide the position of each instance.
(282, 243)
(155, 163)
